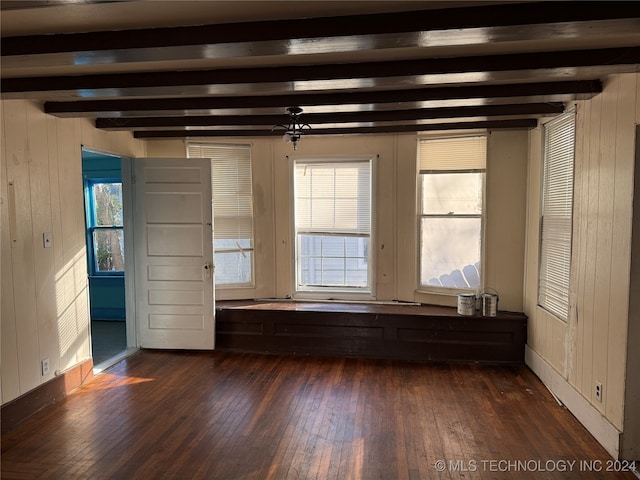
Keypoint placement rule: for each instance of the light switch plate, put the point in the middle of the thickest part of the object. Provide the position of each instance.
(47, 239)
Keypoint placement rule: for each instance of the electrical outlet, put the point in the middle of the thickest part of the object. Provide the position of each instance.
(598, 391)
(45, 366)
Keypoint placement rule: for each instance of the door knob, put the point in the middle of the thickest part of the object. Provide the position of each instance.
(208, 270)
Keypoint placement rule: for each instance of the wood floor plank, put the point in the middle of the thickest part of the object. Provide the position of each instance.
(217, 415)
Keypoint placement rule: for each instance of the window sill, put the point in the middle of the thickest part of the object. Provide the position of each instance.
(452, 292)
(442, 297)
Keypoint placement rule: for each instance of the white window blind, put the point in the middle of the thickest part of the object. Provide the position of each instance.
(333, 225)
(453, 153)
(232, 209)
(333, 198)
(556, 222)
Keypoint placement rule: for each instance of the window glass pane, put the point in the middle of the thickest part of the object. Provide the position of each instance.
(311, 271)
(331, 260)
(333, 272)
(108, 249)
(231, 244)
(333, 246)
(450, 252)
(311, 245)
(356, 247)
(356, 271)
(107, 201)
(233, 267)
(452, 193)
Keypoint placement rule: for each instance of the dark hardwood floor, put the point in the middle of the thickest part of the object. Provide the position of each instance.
(216, 415)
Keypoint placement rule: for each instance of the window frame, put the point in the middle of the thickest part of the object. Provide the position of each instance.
(91, 227)
(329, 292)
(441, 290)
(550, 306)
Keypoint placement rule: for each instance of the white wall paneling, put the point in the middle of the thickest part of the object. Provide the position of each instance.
(592, 346)
(44, 290)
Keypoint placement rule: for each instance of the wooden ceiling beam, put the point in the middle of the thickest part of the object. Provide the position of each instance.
(525, 123)
(324, 76)
(180, 105)
(449, 19)
(328, 118)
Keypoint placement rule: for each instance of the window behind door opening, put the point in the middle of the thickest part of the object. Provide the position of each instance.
(105, 227)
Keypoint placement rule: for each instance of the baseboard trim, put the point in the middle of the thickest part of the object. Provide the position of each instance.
(603, 431)
(23, 407)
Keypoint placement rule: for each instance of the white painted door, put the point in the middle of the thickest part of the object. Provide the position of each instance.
(173, 253)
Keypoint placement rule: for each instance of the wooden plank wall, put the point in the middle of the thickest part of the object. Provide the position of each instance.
(591, 346)
(630, 438)
(44, 291)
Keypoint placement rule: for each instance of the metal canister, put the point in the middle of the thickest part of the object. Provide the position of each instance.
(466, 304)
(489, 304)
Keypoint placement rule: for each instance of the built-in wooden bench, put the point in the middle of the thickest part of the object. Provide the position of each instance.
(397, 331)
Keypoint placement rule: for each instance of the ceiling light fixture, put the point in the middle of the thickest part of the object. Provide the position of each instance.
(293, 131)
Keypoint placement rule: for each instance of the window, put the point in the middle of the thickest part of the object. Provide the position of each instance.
(333, 225)
(105, 227)
(556, 213)
(452, 174)
(232, 198)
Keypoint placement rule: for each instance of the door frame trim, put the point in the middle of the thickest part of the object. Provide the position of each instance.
(128, 180)
(126, 166)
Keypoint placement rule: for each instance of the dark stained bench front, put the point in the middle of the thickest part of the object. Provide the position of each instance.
(404, 332)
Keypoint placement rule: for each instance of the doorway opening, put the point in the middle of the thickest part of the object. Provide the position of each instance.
(104, 217)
